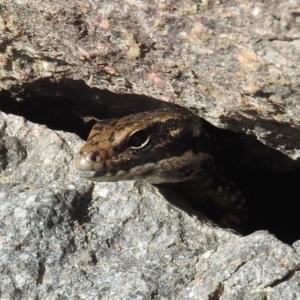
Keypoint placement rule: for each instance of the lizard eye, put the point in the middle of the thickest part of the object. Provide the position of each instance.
(138, 139)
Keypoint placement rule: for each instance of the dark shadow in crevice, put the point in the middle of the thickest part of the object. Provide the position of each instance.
(274, 200)
(274, 197)
(272, 131)
(64, 105)
(269, 178)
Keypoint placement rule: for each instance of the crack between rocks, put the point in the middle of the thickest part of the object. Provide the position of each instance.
(288, 276)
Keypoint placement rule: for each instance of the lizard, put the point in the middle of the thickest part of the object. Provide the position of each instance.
(170, 146)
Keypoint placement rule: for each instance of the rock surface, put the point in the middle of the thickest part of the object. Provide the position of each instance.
(64, 237)
(235, 63)
(61, 237)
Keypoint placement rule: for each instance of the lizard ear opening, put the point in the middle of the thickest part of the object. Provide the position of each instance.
(138, 139)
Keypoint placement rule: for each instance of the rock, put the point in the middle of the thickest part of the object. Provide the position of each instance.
(64, 237)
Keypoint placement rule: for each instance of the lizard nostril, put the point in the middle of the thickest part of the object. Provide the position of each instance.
(92, 157)
(87, 161)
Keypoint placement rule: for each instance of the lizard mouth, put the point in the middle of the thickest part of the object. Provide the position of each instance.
(101, 170)
(158, 172)
(91, 166)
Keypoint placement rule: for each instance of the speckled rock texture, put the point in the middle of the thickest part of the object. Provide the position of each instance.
(235, 63)
(63, 237)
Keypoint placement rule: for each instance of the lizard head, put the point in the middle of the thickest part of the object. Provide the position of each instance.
(165, 145)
